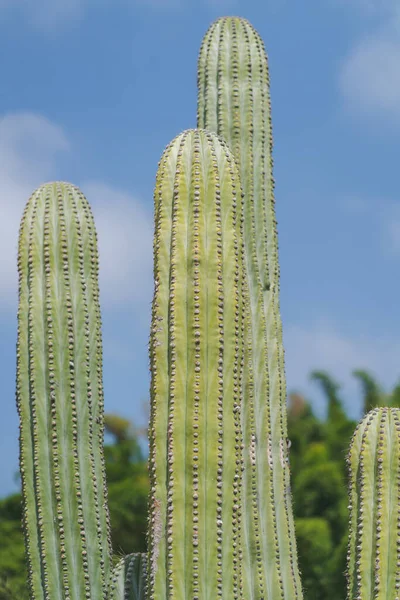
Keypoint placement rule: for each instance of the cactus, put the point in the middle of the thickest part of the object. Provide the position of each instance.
(128, 580)
(220, 515)
(234, 101)
(196, 362)
(60, 398)
(374, 539)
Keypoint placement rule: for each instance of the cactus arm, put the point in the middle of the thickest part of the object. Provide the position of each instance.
(60, 399)
(373, 563)
(234, 101)
(128, 578)
(195, 348)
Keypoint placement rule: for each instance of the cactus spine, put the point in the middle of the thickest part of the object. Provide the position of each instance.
(234, 101)
(374, 539)
(196, 362)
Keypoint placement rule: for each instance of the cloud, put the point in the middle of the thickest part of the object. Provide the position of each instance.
(373, 8)
(29, 144)
(370, 77)
(43, 13)
(29, 148)
(323, 346)
(125, 235)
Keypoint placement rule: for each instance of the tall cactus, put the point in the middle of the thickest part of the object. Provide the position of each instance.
(234, 101)
(61, 407)
(374, 539)
(196, 362)
(60, 398)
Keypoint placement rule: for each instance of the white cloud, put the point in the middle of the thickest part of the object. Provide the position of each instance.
(125, 232)
(374, 8)
(370, 77)
(29, 145)
(322, 346)
(44, 13)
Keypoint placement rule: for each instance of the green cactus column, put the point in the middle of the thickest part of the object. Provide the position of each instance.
(196, 362)
(234, 101)
(373, 565)
(60, 398)
(128, 578)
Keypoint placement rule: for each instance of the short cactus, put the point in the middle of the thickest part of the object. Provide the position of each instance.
(220, 516)
(374, 540)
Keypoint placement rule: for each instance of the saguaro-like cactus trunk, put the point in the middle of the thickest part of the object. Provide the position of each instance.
(374, 540)
(234, 101)
(60, 398)
(196, 361)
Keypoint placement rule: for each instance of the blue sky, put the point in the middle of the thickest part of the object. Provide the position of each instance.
(93, 90)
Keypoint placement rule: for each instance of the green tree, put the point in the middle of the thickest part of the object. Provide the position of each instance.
(372, 391)
(338, 427)
(128, 486)
(319, 489)
(315, 548)
(13, 575)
